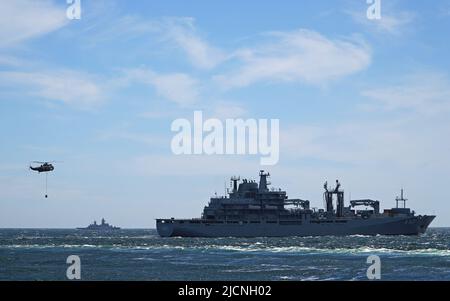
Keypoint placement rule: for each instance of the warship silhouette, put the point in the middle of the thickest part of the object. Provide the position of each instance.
(104, 226)
(253, 210)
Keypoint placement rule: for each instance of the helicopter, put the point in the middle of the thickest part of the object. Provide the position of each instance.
(44, 167)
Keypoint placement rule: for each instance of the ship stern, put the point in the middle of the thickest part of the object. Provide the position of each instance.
(164, 227)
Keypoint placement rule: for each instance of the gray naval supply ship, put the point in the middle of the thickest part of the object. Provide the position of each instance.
(254, 210)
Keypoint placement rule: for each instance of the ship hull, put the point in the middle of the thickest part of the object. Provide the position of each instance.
(371, 226)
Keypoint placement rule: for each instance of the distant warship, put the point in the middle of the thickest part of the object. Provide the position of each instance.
(104, 226)
(254, 210)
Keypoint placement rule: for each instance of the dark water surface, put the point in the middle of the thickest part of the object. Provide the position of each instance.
(40, 254)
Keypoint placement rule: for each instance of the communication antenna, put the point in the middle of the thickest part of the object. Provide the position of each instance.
(225, 187)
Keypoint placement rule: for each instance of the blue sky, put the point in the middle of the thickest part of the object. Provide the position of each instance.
(365, 101)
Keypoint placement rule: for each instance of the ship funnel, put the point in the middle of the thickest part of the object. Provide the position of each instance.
(235, 180)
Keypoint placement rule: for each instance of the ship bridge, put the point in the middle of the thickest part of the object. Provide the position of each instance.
(247, 199)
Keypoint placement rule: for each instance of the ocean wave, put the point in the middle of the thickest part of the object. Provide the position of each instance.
(312, 250)
(247, 248)
(46, 246)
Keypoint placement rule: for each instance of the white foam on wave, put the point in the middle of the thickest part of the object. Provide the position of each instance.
(309, 250)
(251, 248)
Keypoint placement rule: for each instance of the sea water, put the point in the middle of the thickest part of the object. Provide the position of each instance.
(139, 254)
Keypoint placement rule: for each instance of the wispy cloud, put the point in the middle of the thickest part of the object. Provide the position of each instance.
(424, 93)
(201, 54)
(391, 22)
(163, 165)
(177, 87)
(113, 27)
(227, 109)
(411, 137)
(298, 56)
(88, 91)
(73, 88)
(11, 61)
(178, 33)
(302, 55)
(135, 137)
(25, 19)
(403, 143)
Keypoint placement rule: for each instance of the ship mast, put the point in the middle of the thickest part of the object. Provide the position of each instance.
(401, 199)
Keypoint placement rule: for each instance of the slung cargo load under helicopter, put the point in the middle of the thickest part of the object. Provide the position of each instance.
(254, 210)
(44, 167)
